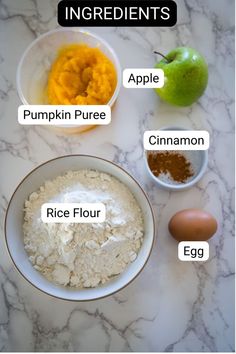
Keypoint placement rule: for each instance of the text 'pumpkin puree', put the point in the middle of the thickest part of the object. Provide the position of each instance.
(81, 75)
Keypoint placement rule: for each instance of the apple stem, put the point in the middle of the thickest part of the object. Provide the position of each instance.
(168, 61)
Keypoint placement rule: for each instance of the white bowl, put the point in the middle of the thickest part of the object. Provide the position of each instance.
(201, 160)
(36, 61)
(14, 221)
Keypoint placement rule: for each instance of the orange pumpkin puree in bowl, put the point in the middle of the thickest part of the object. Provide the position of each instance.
(81, 75)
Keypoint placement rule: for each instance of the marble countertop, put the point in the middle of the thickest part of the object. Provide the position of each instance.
(172, 305)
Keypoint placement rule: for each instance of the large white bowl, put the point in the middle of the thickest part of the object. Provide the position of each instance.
(36, 61)
(14, 221)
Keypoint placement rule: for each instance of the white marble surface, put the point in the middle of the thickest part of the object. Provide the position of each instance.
(172, 305)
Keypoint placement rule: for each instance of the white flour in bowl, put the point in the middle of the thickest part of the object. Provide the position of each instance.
(83, 255)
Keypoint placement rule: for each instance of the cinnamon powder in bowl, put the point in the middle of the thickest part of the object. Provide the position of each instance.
(173, 164)
(176, 170)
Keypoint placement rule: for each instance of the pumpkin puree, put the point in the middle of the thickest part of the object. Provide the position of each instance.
(81, 75)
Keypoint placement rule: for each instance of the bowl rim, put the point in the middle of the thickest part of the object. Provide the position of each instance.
(79, 30)
(123, 171)
(183, 186)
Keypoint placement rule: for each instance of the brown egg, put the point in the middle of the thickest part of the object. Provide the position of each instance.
(192, 225)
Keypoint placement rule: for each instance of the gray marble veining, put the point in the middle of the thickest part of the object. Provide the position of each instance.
(172, 305)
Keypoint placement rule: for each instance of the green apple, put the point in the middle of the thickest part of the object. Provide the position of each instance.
(186, 76)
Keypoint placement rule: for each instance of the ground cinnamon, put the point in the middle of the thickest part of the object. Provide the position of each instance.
(170, 162)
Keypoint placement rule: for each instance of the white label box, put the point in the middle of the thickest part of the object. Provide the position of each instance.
(193, 251)
(176, 140)
(64, 115)
(73, 212)
(143, 78)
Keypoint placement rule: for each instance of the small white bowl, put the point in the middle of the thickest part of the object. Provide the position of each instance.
(15, 216)
(201, 159)
(36, 61)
